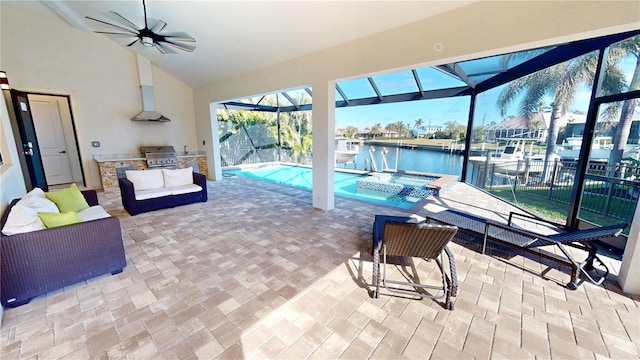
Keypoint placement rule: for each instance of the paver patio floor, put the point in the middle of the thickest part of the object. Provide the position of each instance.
(256, 272)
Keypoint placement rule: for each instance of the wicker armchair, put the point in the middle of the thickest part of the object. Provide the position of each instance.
(401, 237)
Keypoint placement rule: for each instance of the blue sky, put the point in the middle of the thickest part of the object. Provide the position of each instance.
(437, 111)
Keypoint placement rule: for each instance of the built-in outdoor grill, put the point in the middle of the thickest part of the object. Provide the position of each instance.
(160, 156)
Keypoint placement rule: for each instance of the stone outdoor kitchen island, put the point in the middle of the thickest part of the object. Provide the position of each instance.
(109, 165)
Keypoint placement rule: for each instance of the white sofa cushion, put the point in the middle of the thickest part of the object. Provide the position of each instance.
(178, 177)
(22, 219)
(185, 189)
(23, 216)
(152, 193)
(145, 179)
(93, 213)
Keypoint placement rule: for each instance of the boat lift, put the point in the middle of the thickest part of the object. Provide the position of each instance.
(384, 164)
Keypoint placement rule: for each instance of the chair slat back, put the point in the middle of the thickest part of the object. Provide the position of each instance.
(416, 240)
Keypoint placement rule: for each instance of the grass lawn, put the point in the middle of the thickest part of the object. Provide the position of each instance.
(555, 209)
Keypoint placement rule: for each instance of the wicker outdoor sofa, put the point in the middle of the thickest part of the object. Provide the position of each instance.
(34, 263)
(165, 197)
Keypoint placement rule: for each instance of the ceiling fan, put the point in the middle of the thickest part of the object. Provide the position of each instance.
(149, 37)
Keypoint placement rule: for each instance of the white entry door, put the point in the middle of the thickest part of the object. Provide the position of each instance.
(53, 149)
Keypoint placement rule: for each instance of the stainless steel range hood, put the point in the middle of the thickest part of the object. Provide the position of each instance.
(148, 107)
(146, 88)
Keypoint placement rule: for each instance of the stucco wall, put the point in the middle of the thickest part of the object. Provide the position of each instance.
(42, 53)
(11, 182)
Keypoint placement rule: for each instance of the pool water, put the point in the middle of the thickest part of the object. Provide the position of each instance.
(345, 184)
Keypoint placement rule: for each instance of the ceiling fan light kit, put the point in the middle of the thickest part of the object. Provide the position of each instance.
(149, 37)
(146, 41)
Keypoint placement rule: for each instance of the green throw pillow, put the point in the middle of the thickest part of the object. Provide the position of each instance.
(51, 219)
(70, 199)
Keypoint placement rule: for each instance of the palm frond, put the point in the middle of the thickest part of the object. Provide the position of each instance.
(626, 47)
(510, 93)
(614, 81)
(530, 103)
(611, 113)
(522, 55)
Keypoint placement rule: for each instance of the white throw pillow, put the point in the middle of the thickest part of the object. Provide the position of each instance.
(36, 200)
(178, 177)
(145, 179)
(22, 219)
(36, 192)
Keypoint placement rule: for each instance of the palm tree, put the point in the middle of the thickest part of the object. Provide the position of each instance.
(621, 135)
(453, 129)
(561, 81)
(375, 129)
(390, 127)
(407, 126)
(418, 124)
(549, 81)
(400, 128)
(349, 131)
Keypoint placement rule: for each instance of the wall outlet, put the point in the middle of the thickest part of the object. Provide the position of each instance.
(95, 143)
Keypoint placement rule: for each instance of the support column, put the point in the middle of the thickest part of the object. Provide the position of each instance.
(214, 163)
(324, 124)
(629, 277)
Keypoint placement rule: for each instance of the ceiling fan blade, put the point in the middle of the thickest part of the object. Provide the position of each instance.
(158, 26)
(185, 47)
(114, 25)
(148, 36)
(114, 33)
(125, 21)
(179, 36)
(163, 49)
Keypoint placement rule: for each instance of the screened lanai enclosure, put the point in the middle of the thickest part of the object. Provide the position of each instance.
(554, 130)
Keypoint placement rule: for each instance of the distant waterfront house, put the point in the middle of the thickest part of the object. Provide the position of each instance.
(388, 133)
(368, 134)
(537, 128)
(426, 130)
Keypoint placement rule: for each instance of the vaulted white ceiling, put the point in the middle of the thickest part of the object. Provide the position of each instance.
(236, 37)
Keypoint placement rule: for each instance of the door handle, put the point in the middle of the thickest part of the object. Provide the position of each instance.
(62, 152)
(28, 148)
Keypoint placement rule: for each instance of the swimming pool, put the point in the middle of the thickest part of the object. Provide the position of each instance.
(397, 190)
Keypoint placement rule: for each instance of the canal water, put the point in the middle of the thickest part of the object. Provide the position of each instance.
(406, 159)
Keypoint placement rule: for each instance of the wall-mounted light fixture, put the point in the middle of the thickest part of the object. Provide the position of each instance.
(4, 81)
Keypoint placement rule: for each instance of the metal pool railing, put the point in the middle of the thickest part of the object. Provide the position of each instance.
(608, 191)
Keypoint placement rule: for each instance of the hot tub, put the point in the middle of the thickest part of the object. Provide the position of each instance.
(412, 186)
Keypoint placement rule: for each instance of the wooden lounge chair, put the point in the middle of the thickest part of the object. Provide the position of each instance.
(402, 236)
(531, 242)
